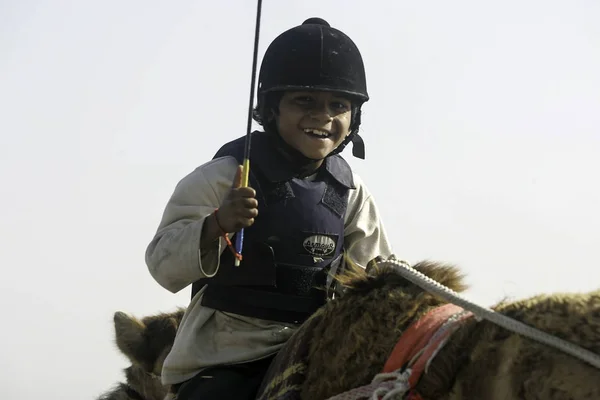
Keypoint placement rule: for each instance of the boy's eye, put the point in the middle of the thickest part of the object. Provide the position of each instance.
(303, 99)
(340, 105)
(309, 101)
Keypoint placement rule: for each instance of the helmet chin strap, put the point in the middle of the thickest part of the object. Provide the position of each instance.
(358, 146)
(304, 164)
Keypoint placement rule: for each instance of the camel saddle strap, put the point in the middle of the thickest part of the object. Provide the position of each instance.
(423, 340)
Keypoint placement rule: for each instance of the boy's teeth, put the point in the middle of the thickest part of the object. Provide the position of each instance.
(316, 132)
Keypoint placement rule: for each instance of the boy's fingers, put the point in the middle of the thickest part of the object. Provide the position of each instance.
(246, 192)
(249, 202)
(237, 180)
(247, 214)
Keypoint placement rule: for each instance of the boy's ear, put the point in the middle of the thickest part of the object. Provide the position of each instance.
(272, 115)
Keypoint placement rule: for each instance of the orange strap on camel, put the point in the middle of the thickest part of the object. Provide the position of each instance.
(423, 339)
(416, 347)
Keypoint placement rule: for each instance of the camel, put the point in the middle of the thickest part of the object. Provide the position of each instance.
(355, 336)
(145, 342)
(350, 339)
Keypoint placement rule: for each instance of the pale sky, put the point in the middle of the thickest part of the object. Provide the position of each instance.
(482, 136)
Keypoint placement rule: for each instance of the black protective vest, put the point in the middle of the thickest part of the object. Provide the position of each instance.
(297, 236)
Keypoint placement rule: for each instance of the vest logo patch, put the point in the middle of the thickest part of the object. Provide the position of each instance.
(319, 245)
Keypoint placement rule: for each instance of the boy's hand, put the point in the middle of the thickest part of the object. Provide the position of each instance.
(239, 207)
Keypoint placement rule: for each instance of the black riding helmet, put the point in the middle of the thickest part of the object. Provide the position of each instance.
(313, 56)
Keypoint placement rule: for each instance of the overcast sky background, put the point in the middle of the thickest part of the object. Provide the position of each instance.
(482, 140)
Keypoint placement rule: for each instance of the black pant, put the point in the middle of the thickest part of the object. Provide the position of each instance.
(231, 382)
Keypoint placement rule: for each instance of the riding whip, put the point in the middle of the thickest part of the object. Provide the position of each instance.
(239, 242)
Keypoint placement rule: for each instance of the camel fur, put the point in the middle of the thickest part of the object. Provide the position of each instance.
(355, 334)
(145, 342)
(348, 341)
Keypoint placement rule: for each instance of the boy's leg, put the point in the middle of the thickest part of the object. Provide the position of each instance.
(233, 382)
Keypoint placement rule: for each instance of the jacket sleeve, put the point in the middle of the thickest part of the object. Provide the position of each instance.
(365, 235)
(173, 257)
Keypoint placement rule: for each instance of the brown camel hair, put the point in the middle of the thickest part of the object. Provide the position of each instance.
(145, 342)
(357, 332)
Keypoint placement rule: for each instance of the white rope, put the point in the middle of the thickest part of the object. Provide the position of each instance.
(400, 387)
(384, 386)
(404, 269)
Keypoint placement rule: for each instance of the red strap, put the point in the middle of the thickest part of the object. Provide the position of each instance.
(226, 237)
(414, 395)
(415, 339)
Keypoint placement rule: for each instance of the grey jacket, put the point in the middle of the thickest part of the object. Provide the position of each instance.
(208, 337)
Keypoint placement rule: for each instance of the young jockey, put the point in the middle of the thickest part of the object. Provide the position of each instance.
(304, 208)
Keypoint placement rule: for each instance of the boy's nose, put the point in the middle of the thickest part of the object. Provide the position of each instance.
(320, 113)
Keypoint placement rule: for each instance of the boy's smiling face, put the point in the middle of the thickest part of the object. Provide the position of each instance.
(314, 123)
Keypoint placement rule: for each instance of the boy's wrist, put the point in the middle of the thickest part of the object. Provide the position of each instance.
(210, 231)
